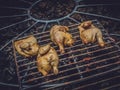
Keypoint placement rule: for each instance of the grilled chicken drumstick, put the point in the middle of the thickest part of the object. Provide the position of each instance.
(47, 60)
(61, 37)
(90, 33)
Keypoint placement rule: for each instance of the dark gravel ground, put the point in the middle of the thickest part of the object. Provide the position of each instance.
(49, 9)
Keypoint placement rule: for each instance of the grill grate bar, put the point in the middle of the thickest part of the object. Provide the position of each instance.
(75, 68)
(93, 46)
(81, 61)
(78, 66)
(84, 86)
(42, 36)
(81, 79)
(48, 39)
(17, 67)
(70, 58)
(49, 31)
(46, 33)
(113, 86)
(70, 26)
(112, 78)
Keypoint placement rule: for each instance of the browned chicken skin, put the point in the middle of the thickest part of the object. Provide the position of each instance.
(90, 33)
(27, 46)
(61, 37)
(47, 60)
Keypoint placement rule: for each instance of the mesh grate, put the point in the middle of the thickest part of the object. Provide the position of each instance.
(81, 67)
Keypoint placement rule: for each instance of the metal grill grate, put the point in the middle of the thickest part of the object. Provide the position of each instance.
(81, 67)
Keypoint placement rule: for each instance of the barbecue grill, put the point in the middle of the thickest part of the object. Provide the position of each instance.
(81, 67)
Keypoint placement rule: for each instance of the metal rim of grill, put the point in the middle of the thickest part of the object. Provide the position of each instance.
(81, 67)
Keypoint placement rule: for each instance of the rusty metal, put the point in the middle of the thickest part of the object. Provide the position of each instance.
(78, 65)
(112, 78)
(117, 63)
(67, 53)
(73, 63)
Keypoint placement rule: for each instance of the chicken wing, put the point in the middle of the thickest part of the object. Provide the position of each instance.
(61, 37)
(90, 33)
(47, 60)
(27, 46)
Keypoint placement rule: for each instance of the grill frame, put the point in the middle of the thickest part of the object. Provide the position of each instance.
(70, 56)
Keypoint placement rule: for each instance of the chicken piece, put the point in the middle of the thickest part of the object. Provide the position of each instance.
(47, 60)
(90, 33)
(27, 46)
(61, 37)
(44, 49)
